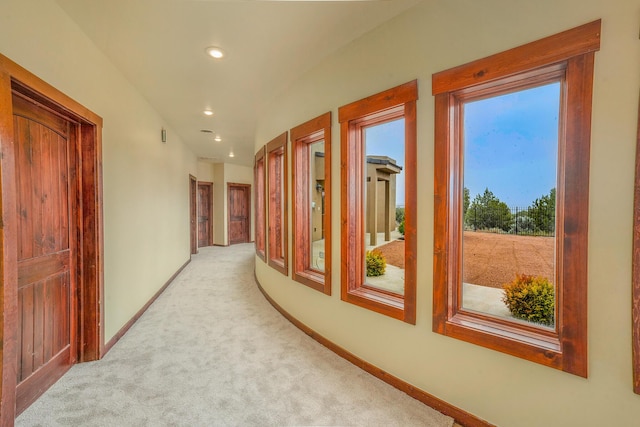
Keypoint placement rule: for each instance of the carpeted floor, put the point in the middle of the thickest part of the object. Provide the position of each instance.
(211, 351)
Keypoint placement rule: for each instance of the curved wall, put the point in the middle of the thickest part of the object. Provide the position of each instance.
(505, 390)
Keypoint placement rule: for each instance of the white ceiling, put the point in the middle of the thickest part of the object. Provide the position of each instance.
(159, 46)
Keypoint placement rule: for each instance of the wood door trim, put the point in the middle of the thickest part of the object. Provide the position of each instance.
(89, 221)
(210, 185)
(193, 214)
(635, 275)
(248, 197)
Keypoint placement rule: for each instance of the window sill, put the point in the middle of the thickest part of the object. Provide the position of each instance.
(380, 302)
(279, 264)
(530, 342)
(313, 279)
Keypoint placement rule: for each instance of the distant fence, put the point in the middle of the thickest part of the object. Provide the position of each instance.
(513, 220)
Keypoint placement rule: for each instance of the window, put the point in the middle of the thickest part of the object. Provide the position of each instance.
(378, 162)
(312, 203)
(277, 205)
(514, 129)
(258, 172)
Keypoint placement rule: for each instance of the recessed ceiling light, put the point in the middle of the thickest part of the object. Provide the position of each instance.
(217, 138)
(214, 52)
(208, 113)
(231, 154)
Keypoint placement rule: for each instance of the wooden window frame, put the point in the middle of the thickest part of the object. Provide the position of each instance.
(571, 52)
(302, 136)
(260, 205)
(635, 310)
(398, 102)
(277, 147)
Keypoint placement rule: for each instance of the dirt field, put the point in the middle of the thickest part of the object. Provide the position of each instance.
(493, 259)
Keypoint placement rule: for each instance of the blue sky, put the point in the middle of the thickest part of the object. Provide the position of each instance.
(511, 144)
(387, 139)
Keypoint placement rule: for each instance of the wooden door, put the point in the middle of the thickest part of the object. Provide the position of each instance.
(205, 197)
(239, 212)
(46, 240)
(193, 213)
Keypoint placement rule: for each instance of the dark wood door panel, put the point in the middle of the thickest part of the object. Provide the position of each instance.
(45, 323)
(205, 214)
(45, 206)
(239, 213)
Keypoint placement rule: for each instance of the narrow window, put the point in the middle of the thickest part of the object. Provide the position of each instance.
(277, 194)
(378, 162)
(312, 203)
(512, 136)
(260, 208)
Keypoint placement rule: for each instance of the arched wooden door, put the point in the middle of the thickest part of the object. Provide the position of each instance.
(46, 205)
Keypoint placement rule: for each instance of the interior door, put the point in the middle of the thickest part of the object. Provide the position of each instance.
(205, 235)
(46, 192)
(239, 213)
(193, 213)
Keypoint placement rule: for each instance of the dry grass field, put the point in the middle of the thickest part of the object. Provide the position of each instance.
(493, 259)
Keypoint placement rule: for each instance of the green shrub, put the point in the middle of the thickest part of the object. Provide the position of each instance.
(530, 298)
(401, 227)
(376, 263)
(399, 215)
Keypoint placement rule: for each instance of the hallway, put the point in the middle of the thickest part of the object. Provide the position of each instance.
(212, 351)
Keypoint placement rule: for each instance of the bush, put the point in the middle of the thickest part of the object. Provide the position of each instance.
(530, 298)
(376, 263)
(399, 215)
(523, 224)
(401, 227)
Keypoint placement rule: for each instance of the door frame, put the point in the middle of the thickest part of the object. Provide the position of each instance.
(234, 184)
(193, 214)
(89, 222)
(210, 201)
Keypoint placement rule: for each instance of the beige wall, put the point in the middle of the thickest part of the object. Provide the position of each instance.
(146, 182)
(505, 390)
(205, 171)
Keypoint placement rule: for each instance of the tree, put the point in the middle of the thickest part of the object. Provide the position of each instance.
(487, 211)
(543, 212)
(465, 200)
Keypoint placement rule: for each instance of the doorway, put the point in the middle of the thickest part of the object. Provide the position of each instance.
(205, 214)
(52, 266)
(239, 212)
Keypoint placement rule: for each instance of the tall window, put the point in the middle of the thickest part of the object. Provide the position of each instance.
(378, 162)
(277, 205)
(258, 172)
(312, 203)
(512, 136)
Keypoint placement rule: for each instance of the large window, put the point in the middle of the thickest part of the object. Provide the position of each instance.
(259, 172)
(378, 162)
(277, 203)
(512, 137)
(311, 184)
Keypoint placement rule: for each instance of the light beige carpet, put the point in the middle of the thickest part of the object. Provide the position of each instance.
(211, 351)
